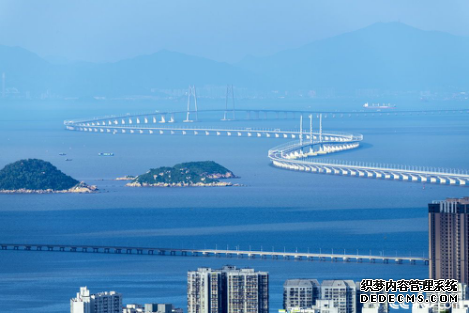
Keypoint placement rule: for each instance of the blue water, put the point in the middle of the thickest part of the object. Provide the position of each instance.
(276, 209)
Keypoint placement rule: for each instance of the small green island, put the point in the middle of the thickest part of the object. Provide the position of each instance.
(190, 174)
(38, 176)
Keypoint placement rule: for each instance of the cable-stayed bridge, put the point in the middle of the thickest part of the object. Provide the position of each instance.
(192, 115)
(301, 155)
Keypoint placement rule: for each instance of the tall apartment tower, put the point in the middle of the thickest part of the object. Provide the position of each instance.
(204, 291)
(300, 293)
(103, 302)
(449, 239)
(82, 303)
(228, 290)
(343, 293)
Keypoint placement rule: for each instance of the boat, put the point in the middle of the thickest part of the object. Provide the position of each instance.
(61, 153)
(379, 106)
(68, 160)
(106, 154)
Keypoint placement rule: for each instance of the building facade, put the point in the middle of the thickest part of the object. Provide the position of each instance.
(343, 293)
(82, 303)
(103, 302)
(300, 293)
(228, 290)
(449, 239)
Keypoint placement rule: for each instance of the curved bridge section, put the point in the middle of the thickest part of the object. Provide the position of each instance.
(301, 155)
(297, 157)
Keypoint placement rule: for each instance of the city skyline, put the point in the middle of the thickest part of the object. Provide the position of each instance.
(234, 157)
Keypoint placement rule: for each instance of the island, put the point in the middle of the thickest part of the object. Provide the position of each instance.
(190, 174)
(38, 176)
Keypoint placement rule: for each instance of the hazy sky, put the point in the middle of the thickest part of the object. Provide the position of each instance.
(109, 30)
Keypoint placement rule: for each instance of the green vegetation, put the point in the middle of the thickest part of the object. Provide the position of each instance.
(34, 174)
(207, 168)
(185, 173)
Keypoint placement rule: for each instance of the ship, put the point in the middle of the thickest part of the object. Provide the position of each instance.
(106, 154)
(61, 153)
(379, 106)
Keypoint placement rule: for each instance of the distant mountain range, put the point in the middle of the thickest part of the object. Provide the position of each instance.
(390, 56)
(383, 55)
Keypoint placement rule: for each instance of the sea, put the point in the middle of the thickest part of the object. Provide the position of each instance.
(275, 209)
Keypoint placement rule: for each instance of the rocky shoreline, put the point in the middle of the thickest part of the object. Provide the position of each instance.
(128, 177)
(81, 188)
(215, 184)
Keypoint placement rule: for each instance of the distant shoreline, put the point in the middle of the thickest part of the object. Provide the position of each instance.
(77, 189)
(181, 185)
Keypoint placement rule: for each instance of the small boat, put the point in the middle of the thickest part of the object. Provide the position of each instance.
(106, 154)
(68, 160)
(61, 153)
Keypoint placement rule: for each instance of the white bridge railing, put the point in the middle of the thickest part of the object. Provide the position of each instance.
(358, 168)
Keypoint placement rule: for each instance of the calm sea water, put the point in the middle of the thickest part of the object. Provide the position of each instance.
(276, 209)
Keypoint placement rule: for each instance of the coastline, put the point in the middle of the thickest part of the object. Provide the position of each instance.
(82, 188)
(182, 185)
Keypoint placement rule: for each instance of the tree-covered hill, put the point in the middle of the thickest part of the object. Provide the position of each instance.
(207, 168)
(34, 174)
(190, 173)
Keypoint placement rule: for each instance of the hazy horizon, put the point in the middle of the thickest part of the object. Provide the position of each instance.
(109, 31)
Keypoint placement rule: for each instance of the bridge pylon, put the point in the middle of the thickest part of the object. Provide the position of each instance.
(191, 94)
(229, 96)
(301, 130)
(320, 127)
(311, 128)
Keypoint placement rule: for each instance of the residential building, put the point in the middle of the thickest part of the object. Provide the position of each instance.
(103, 302)
(82, 303)
(228, 290)
(342, 292)
(448, 239)
(158, 308)
(133, 308)
(300, 293)
(321, 306)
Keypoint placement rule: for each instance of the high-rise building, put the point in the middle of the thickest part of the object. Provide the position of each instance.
(82, 303)
(159, 308)
(300, 293)
(103, 302)
(228, 290)
(449, 239)
(342, 292)
(204, 291)
(133, 308)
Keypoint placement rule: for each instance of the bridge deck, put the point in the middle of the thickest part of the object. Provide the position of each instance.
(211, 252)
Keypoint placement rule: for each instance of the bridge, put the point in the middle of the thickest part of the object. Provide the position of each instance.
(263, 255)
(161, 117)
(296, 156)
(300, 155)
